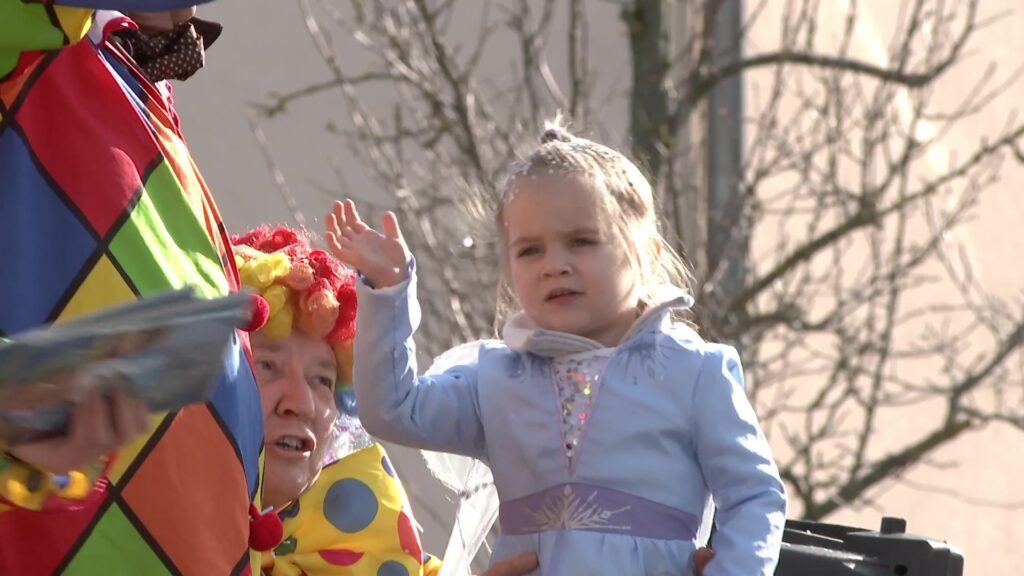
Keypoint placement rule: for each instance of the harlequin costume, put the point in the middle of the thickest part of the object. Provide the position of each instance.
(355, 520)
(105, 205)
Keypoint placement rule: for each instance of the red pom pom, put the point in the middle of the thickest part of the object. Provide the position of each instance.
(347, 308)
(325, 267)
(259, 311)
(280, 237)
(252, 238)
(272, 239)
(265, 530)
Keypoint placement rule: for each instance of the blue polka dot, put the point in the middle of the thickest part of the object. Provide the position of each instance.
(392, 568)
(345, 400)
(350, 505)
(386, 464)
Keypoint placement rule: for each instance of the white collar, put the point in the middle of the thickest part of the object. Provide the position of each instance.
(105, 22)
(522, 334)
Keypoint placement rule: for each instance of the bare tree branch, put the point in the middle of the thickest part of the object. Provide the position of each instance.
(859, 303)
(275, 171)
(870, 215)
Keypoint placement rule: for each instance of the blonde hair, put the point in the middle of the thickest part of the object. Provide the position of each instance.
(626, 203)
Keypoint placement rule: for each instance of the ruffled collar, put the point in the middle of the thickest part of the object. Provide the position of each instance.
(522, 334)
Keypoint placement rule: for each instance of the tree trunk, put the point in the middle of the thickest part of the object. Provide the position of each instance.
(728, 236)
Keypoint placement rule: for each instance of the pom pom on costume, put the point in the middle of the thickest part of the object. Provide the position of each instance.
(259, 312)
(265, 529)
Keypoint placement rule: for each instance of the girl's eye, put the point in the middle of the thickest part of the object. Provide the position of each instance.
(528, 251)
(584, 242)
(265, 365)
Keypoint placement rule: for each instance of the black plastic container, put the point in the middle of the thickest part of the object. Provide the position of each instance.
(817, 549)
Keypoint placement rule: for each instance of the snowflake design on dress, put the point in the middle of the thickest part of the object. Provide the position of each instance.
(568, 511)
(646, 356)
(520, 367)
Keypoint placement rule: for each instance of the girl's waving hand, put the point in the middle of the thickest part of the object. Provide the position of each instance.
(381, 257)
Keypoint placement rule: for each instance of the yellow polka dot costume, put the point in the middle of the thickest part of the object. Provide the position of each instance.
(355, 520)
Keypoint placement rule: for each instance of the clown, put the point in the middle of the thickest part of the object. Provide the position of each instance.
(343, 509)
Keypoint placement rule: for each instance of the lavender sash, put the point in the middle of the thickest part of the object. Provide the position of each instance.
(576, 506)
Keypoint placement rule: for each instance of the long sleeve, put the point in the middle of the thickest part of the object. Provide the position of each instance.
(739, 470)
(439, 412)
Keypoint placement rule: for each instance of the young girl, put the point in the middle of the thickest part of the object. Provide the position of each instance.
(607, 425)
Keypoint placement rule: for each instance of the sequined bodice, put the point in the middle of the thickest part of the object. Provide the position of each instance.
(577, 378)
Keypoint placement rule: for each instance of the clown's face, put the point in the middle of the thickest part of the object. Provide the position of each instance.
(296, 378)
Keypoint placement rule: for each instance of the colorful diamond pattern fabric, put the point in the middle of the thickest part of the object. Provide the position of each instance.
(195, 448)
(115, 540)
(102, 205)
(99, 181)
(35, 217)
(102, 286)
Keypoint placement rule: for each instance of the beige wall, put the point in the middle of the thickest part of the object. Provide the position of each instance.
(976, 499)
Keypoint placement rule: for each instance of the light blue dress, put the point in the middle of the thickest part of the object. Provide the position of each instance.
(669, 427)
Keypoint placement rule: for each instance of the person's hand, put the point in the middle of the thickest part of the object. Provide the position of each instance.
(382, 258)
(514, 566)
(97, 427)
(701, 558)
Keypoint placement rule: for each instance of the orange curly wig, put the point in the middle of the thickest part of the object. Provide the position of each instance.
(303, 287)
